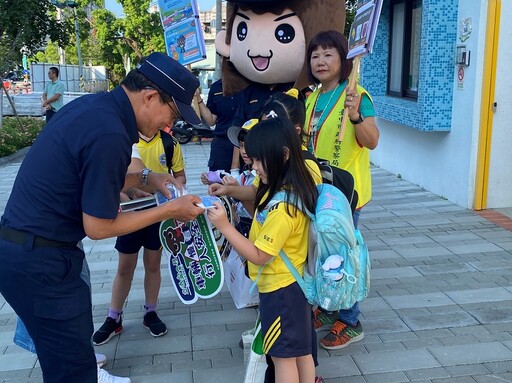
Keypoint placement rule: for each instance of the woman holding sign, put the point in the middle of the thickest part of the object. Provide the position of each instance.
(346, 147)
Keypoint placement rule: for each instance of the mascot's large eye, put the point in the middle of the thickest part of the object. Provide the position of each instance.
(285, 33)
(241, 31)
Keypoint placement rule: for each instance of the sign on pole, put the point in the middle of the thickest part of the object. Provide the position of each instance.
(364, 28)
(360, 42)
(184, 39)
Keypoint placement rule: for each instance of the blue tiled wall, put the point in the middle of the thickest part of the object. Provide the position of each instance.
(433, 108)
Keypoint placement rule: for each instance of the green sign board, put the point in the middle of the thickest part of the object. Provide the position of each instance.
(194, 260)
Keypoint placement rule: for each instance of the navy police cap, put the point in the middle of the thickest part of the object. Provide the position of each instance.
(175, 80)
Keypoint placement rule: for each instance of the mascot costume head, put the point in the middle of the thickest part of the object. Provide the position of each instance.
(266, 41)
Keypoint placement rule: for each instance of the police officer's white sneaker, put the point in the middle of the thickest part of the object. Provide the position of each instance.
(105, 377)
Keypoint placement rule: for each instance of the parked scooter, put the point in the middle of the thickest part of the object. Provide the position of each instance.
(184, 132)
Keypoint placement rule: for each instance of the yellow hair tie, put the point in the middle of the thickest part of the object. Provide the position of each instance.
(294, 92)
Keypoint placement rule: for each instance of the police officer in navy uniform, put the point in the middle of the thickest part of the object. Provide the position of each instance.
(219, 111)
(252, 100)
(67, 188)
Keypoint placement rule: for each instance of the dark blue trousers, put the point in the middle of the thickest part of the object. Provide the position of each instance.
(43, 286)
(49, 114)
(221, 154)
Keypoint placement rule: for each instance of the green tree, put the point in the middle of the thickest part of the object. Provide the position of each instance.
(49, 55)
(141, 30)
(107, 33)
(90, 51)
(89, 48)
(29, 23)
(124, 42)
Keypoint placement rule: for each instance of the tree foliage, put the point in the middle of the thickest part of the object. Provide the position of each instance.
(116, 43)
(141, 30)
(27, 23)
(126, 41)
(34, 24)
(49, 55)
(107, 33)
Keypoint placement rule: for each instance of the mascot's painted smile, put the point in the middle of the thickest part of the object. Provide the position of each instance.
(261, 63)
(265, 41)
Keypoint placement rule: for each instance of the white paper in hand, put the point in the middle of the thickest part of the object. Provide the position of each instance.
(207, 202)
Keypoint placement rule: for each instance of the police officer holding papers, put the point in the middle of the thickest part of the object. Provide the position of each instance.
(67, 188)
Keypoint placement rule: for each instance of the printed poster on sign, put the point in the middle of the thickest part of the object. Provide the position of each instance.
(364, 28)
(173, 12)
(184, 42)
(183, 34)
(194, 260)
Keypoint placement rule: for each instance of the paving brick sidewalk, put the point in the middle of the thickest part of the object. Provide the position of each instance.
(440, 308)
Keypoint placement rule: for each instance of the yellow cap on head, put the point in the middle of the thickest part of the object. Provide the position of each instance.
(248, 125)
(235, 130)
(294, 92)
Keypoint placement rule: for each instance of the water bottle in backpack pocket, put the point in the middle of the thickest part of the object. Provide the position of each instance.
(330, 278)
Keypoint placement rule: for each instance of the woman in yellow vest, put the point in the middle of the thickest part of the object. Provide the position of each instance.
(328, 67)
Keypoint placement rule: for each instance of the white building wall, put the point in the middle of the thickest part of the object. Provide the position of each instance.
(443, 162)
(500, 169)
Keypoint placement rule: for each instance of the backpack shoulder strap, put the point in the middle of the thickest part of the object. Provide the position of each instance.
(281, 197)
(278, 197)
(309, 156)
(293, 270)
(168, 143)
(262, 215)
(340, 178)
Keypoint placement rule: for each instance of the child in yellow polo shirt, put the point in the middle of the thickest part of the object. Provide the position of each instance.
(275, 149)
